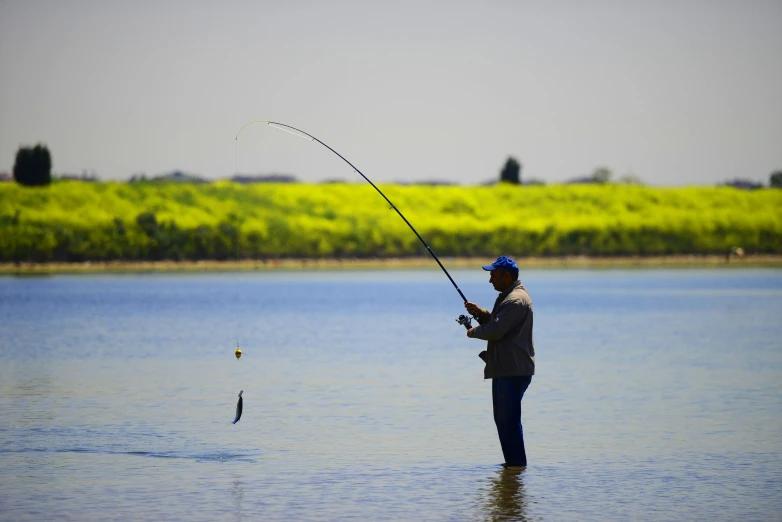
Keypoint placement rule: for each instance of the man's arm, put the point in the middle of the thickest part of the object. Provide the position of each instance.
(509, 315)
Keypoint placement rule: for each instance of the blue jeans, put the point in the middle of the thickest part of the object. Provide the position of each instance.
(506, 394)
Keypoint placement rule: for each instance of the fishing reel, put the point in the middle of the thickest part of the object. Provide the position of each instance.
(465, 320)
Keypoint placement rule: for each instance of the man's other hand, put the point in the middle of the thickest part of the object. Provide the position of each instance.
(473, 308)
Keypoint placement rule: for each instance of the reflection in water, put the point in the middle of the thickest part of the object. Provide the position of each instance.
(31, 398)
(506, 496)
(238, 494)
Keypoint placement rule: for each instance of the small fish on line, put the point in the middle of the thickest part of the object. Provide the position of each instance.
(239, 408)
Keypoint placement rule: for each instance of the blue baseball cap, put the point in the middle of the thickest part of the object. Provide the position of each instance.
(504, 263)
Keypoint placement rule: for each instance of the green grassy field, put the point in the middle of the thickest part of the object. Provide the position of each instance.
(73, 221)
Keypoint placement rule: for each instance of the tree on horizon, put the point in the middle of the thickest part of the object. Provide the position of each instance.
(511, 171)
(601, 175)
(33, 166)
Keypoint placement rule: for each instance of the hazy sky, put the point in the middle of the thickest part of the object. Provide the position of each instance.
(674, 91)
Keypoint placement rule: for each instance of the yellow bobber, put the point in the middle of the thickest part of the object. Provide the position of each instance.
(238, 353)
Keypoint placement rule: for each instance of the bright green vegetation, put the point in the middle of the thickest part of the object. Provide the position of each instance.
(71, 221)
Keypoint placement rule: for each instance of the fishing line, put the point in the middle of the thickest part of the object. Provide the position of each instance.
(238, 352)
(463, 319)
(236, 247)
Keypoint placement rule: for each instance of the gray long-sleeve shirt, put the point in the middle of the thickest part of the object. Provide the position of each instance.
(511, 350)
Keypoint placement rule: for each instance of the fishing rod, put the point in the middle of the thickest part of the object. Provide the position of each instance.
(463, 319)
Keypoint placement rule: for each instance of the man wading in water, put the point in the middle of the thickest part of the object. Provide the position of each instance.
(509, 355)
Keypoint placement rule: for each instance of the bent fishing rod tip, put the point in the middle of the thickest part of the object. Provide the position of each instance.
(465, 320)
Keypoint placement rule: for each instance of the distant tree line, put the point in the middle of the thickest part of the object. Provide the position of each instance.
(33, 167)
(511, 174)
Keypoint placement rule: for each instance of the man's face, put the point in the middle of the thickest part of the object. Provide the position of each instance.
(499, 279)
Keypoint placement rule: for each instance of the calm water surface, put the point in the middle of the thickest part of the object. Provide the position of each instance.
(658, 396)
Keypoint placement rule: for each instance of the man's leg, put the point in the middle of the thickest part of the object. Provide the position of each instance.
(507, 393)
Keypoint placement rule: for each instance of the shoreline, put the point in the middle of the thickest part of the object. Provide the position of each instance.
(675, 261)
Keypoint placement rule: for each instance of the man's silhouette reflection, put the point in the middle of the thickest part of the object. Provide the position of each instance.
(506, 495)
